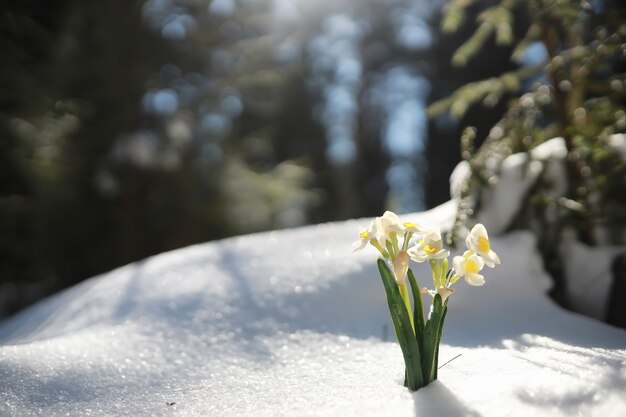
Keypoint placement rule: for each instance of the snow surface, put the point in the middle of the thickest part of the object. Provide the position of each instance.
(292, 323)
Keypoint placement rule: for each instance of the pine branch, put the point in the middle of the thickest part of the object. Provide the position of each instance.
(489, 91)
(497, 19)
(454, 15)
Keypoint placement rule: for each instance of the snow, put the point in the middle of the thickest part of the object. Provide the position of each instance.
(517, 174)
(292, 323)
(588, 270)
(501, 202)
(617, 142)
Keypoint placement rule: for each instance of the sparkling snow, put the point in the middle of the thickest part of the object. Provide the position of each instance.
(292, 323)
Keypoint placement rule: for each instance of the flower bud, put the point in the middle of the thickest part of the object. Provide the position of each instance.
(400, 267)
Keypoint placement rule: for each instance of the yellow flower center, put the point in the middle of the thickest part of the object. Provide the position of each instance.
(483, 245)
(431, 250)
(409, 225)
(471, 267)
(364, 234)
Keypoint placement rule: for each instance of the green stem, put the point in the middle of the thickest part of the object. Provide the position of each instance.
(404, 293)
(436, 270)
(407, 238)
(394, 241)
(390, 249)
(382, 251)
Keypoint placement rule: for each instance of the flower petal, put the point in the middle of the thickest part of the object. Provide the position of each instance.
(476, 280)
(359, 245)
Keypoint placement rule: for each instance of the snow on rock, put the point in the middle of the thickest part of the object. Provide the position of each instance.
(460, 174)
(517, 174)
(553, 153)
(617, 142)
(587, 270)
(501, 202)
(293, 323)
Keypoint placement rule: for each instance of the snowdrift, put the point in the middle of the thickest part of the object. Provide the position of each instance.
(292, 323)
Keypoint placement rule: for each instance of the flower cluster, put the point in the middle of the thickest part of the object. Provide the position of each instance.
(425, 244)
(398, 243)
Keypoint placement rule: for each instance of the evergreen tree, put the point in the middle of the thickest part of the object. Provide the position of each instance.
(575, 92)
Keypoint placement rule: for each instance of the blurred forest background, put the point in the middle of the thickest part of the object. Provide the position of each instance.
(132, 127)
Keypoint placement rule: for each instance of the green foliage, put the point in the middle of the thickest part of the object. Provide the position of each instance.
(419, 343)
(577, 94)
(496, 20)
(404, 331)
(418, 306)
(432, 337)
(488, 92)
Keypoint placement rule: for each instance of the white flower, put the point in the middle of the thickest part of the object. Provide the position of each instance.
(430, 247)
(414, 228)
(389, 220)
(468, 266)
(401, 267)
(379, 229)
(388, 223)
(383, 233)
(444, 292)
(386, 229)
(366, 236)
(478, 241)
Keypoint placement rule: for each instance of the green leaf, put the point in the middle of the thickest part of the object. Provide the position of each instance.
(443, 317)
(432, 336)
(418, 310)
(403, 328)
